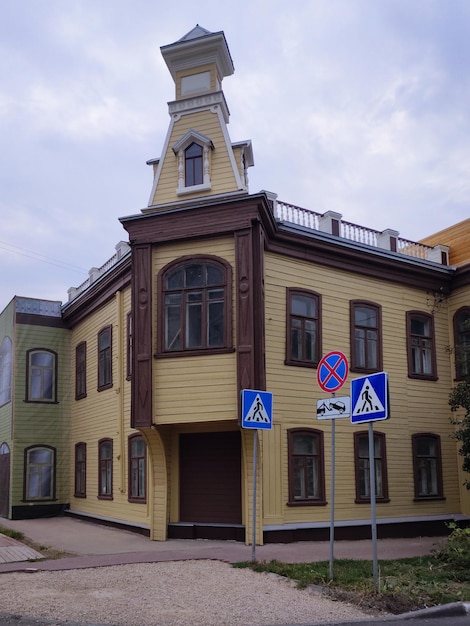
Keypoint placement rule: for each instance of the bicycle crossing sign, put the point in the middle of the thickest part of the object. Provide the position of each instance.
(257, 409)
(369, 398)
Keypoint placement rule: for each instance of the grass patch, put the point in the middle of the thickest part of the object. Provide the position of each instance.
(13, 534)
(404, 584)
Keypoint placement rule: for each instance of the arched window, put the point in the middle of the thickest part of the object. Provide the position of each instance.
(462, 343)
(42, 383)
(193, 165)
(6, 370)
(80, 470)
(195, 310)
(39, 473)
(105, 469)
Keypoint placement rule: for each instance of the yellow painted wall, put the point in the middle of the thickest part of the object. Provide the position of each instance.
(416, 406)
(106, 414)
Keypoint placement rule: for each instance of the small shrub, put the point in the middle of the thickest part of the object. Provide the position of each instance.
(457, 551)
(13, 534)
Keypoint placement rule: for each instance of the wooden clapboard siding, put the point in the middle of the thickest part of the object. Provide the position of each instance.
(195, 388)
(221, 171)
(417, 406)
(40, 423)
(457, 237)
(105, 414)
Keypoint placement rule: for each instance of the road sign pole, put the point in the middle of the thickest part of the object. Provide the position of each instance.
(372, 504)
(253, 530)
(332, 515)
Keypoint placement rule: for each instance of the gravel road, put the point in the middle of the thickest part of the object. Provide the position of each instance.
(183, 593)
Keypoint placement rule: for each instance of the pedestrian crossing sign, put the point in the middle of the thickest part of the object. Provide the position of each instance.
(257, 409)
(369, 398)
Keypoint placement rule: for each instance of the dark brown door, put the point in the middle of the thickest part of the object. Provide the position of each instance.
(4, 479)
(210, 478)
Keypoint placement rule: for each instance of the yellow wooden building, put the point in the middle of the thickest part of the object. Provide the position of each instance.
(220, 290)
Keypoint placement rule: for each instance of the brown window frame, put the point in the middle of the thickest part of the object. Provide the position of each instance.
(30, 368)
(80, 370)
(142, 499)
(461, 348)
(291, 292)
(410, 316)
(105, 464)
(80, 470)
(26, 473)
(306, 501)
(105, 360)
(355, 366)
(362, 498)
(415, 439)
(225, 285)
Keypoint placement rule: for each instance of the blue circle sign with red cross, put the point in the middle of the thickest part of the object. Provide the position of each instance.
(332, 371)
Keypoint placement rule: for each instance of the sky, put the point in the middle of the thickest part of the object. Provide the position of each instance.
(355, 106)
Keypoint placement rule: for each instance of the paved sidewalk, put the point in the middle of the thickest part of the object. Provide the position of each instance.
(93, 545)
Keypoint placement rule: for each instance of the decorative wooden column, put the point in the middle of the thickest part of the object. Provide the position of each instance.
(141, 384)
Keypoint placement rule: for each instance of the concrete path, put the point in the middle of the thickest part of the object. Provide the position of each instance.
(93, 545)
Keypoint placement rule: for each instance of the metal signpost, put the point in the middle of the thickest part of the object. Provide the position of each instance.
(369, 400)
(332, 372)
(257, 412)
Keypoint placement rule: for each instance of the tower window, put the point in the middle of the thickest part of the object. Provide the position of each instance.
(193, 165)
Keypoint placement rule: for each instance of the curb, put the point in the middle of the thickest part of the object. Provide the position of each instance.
(454, 609)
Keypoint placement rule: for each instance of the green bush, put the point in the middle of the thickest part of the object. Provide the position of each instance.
(457, 550)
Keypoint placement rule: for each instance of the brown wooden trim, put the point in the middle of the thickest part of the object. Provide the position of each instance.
(80, 445)
(244, 300)
(28, 374)
(130, 497)
(78, 370)
(54, 473)
(142, 321)
(259, 330)
(30, 319)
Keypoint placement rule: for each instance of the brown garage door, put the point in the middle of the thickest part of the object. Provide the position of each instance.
(210, 478)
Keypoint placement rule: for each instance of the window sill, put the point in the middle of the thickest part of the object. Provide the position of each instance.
(428, 498)
(79, 495)
(365, 370)
(367, 500)
(83, 395)
(423, 376)
(193, 189)
(104, 387)
(310, 364)
(104, 497)
(307, 503)
(196, 352)
(137, 500)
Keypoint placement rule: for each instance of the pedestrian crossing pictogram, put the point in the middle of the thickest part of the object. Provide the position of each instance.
(368, 401)
(369, 398)
(256, 409)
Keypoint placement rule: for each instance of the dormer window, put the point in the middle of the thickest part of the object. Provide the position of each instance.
(193, 165)
(193, 153)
